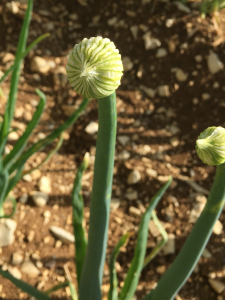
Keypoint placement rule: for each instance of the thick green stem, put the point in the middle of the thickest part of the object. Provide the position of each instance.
(189, 255)
(91, 279)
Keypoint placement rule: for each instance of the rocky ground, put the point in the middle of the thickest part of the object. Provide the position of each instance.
(172, 89)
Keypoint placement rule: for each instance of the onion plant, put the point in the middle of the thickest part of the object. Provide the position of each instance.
(12, 164)
(94, 69)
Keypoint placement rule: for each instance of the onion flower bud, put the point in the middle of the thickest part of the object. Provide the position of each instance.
(94, 67)
(210, 146)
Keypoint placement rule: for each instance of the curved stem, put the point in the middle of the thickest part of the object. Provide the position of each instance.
(92, 273)
(180, 270)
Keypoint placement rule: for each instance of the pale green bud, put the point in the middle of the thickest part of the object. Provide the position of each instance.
(210, 146)
(94, 67)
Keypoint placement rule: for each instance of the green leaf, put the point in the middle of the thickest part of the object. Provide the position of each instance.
(46, 141)
(113, 292)
(4, 182)
(48, 156)
(27, 288)
(163, 232)
(180, 270)
(22, 56)
(10, 106)
(13, 181)
(134, 271)
(73, 291)
(78, 215)
(57, 287)
(22, 142)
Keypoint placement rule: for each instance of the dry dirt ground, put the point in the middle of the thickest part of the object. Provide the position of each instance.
(156, 133)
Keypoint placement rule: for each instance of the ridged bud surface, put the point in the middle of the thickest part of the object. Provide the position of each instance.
(210, 146)
(94, 67)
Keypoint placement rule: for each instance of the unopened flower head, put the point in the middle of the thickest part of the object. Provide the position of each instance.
(94, 67)
(210, 146)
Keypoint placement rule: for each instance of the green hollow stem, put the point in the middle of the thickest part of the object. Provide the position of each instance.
(92, 273)
(180, 270)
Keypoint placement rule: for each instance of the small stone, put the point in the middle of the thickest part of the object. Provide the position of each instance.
(180, 6)
(44, 185)
(31, 235)
(216, 85)
(206, 96)
(12, 7)
(63, 235)
(23, 199)
(148, 91)
(39, 64)
(30, 269)
(58, 244)
(114, 204)
(214, 63)
(163, 91)
(131, 195)
(47, 214)
(19, 111)
(169, 23)
(127, 63)
(35, 256)
(8, 57)
(181, 76)
(150, 43)
(152, 173)
(218, 228)
(40, 199)
(198, 58)
(171, 45)
(73, 17)
(123, 139)
(28, 116)
(134, 31)
(134, 177)
(13, 136)
(92, 128)
(7, 229)
(174, 141)
(161, 52)
(123, 155)
(36, 174)
(195, 101)
(161, 269)
(112, 21)
(27, 178)
(131, 13)
(195, 212)
(169, 247)
(15, 272)
(17, 258)
(217, 285)
(134, 211)
(206, 253)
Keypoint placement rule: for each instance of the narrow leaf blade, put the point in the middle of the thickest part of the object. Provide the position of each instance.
(22, 56)
(164, 235)
(113, 292)
(78, 215)
(27, 288)
(10, 106)
(46, 141)
(22, 142)
(134, 271)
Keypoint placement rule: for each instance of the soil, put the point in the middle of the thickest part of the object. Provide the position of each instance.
(147, 122)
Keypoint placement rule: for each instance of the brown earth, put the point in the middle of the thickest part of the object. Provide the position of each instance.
(147, 122)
